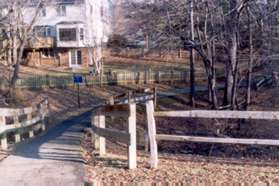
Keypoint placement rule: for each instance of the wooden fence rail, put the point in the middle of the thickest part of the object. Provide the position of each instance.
(154, 137)
(100, 132)
(18, 121)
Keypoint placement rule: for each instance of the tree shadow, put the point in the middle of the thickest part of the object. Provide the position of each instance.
(61, 142)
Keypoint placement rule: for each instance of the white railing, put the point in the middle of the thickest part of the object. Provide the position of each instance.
(154, 137)
(99, 131)
(15, 122)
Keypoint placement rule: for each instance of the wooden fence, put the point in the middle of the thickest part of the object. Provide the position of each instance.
(100, 132)
(123, 105)
(154, 137)
(137, 96)
(15, 122)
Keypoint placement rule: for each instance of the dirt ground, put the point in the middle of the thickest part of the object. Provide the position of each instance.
(175, 168)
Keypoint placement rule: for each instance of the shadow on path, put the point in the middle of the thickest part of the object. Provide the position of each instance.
(61, 142)
(52, 159)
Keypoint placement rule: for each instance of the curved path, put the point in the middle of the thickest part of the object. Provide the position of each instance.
(51, 159)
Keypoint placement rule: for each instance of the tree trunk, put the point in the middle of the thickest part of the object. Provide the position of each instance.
(250, 70)
(192, 67)
(231, 65)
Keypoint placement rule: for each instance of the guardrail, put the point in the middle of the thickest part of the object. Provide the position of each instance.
(154, 137)
(15, 122)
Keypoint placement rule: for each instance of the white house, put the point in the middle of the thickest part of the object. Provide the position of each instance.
(68, 32)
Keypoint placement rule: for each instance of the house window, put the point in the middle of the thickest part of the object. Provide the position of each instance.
(42, 31)
(81, 33)
(79, 57)
(67, 34)
(61, 10)
(48, 31)
(76, 57)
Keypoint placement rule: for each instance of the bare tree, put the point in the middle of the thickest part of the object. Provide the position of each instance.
(17, 32)
(219, 37)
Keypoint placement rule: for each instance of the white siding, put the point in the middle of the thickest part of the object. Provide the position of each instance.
(96, 30)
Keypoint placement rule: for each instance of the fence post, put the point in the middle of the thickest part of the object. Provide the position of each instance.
(132, 155)
(145, 76)
(185, 76)
(158, 74)
(146, 142)
(31, 132)
(172, 76)
(99, 142)
(125, 78)
(47, 81)
(17, 134)
(155, 97)
(111, 100)
(4, 140)
(152, 134)
(130, 97)
(44, 109)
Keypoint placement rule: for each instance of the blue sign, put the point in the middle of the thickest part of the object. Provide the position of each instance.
(78, 79)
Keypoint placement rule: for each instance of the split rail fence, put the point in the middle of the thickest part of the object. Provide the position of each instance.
(15, 122)
(123, 106)
(100, 132)
(154, 137)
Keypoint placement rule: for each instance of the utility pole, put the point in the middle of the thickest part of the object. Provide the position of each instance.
(192, 66)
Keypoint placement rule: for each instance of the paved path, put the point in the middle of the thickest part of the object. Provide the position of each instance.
(51, 159)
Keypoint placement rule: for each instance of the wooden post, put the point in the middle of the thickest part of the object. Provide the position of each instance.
(95, 121)
(185, 77)
(31, 132)
(129, 97)
(145, 76)
(47, 81)
(4, 141)
(17, 137)
(99, 142)
(152, 134)
(146, 142)
(111, 100)
(125, 78)
(155, 97)
(132, 154)
(44, 109)
(17, 134)
(149, 76)
(172, 77)
(158, 77)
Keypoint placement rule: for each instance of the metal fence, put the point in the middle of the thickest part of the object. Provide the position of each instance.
(109, 78)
